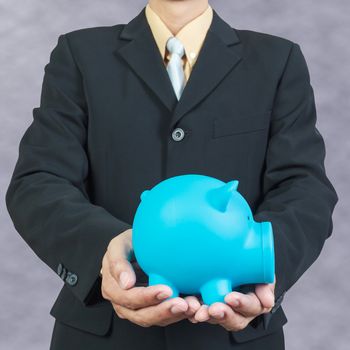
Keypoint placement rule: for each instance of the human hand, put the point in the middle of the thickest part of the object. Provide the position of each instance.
(144, 306)
(239, 309)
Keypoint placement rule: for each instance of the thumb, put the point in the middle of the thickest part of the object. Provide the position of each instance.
(120, 252)
(126, 277)
(266, 295)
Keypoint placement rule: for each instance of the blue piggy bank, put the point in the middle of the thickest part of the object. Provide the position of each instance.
(197, 235)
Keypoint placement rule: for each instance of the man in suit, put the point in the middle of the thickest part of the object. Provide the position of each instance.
(176, 90)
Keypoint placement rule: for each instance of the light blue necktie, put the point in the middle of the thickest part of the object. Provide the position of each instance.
(175, 65)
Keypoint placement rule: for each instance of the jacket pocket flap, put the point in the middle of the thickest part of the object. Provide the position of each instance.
(249, 333)
(230, 125)
(94, 319)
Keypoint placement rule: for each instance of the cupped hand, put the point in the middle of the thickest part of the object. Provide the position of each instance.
(144, 306)
(239, 309)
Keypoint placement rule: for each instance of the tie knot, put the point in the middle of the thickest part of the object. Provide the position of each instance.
(174, 45)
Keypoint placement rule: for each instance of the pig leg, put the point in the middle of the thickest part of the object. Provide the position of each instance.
(215, 290)
(157, 279)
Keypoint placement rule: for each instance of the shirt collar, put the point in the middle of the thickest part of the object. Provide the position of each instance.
(191, 35)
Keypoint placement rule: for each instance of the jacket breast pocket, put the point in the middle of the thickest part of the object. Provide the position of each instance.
(233, 125)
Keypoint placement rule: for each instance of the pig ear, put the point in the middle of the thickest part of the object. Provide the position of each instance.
(144, 194)
(220, 197)
(232, 185)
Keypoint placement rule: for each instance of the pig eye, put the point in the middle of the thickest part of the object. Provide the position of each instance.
(248, 217)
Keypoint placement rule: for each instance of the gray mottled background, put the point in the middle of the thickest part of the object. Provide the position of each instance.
(317, 308)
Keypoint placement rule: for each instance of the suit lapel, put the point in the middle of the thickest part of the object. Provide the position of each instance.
(218, 56)
(216, 59)
(143, 56)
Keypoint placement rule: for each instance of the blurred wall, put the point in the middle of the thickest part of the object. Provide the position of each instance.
(316, 307)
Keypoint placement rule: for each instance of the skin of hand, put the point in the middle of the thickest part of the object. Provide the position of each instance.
(240, 308)
(144, 306)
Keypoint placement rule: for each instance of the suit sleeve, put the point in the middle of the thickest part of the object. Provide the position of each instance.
(298, 198)
(47, 197)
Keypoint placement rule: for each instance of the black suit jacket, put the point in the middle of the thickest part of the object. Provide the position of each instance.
(103, 134)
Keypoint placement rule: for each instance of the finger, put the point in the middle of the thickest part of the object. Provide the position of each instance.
(248, 304)
(192, 319)
(202, 313)
(231, 320)
(166, 312)
(218, 313)
(217, 310)
(265, 293)
(136, 297)
(193, 305)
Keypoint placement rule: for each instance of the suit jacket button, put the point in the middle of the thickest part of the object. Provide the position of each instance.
(178, 134)
(59, 269)
(72, 279)
(63, 273)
